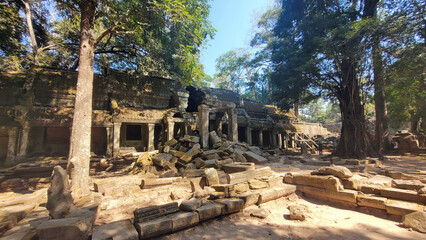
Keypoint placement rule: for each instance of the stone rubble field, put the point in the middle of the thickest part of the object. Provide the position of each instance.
(231, 191)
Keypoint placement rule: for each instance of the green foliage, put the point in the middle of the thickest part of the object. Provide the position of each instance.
(319, 111)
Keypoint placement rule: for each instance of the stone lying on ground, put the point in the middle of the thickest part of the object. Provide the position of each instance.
(403, 194)
(408, 184)
(298, 212)
(209, 211)
(326, 182)
(347, 196)
(191, 205)
(155, 182)
(337, 171)
(253, 157)
(198, 183)
(203, 193)
(154, 228)
(416, 221)
(121, 230)
(255, 149)
(117, 185)
(161, 158)
(371, 201)
(190, 153)
(237, 167)
(402, 208)
(245, 176)
(259, 212)
(153, 212)
(59, 199)
(231, 205)
(214, 139)
(257, 184)
(192, 139)
(275, 193)
(250, 198)
(212, 176)
(182, 220)
(172, 142)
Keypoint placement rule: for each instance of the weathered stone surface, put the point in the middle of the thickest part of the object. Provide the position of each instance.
(259, 213)
(348, 196)
(199, 163)
(153, 212)
(257, 184)
(154, 228)
(327, 182)
(253, 157)
(371, 201)
(190, 153)
(193, 173)
(214, 138)
(179, 193)
(353, 182)
(275, 193)
(210, 163)
(402, 208)
(191, 205)
(155, 182)
(183, 220)
(26, 235)
(298, 212)
(212, 156)
(231, 205)
(161, 158)
(337, 171)
(198, 183)
(408, 184)
(192, 139)
(416, 221)
(212, 176)
(65, 228)
(369, 189)
(227, 189)
(171, 142)
(245, 176)
(250, 198)
(121, 230)
(240, 167)
(209, 152)
(255, 149)
(59, 199)
(209, 211)
(241, 188)
(403, 194)
(168, 174)
(204, 193)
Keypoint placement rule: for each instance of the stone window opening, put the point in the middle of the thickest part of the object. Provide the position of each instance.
(133, 133)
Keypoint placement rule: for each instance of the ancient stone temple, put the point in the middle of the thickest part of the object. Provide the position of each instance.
(129, 114)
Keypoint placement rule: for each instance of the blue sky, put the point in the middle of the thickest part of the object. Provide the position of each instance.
(235, 21)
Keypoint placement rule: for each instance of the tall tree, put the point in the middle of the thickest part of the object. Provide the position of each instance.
(320, 46)
(182, 23)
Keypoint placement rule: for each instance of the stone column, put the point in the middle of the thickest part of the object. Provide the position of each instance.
(151, 127)
(292, 143)
(248, 135)
(11, 145)
(203, 125)
(170, 130)
(23, 146)
(280, 140)
(261, 137)
(273, 138)
(116, 139)
(285, 141)
(110, 141)
(233, 125)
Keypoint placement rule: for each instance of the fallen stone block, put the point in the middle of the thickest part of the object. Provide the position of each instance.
(153, 212)
(209, 152)
(347, 196)
(121, 230)
(154, 228)
(231, 205)
(192, 139)
(171, 142)
(26, 235)
(245, 176)
(253, 157)
(259, 213)
(183, 220)
(371, 201)
(416, 221)
(298, 212)
(237, 167)
(204, 193)
(227, 189)
(212, 156)
(156, 182)
(191, 205)
(209, 211)
(402, 208)
(257, 184)
(193, 173)
(250, 198)
(241, 188)
(161, 158)
(326, 182)
(353, 182)
(198, 183)
(369, 189)
(275, 193)
(210, 163)
(179, 193)
(212, 176)
(337, 171)
(65, 228)
(403, 194)
(408, 184)
(214, 138)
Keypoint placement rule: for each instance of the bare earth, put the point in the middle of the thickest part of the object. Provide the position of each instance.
(325, 220)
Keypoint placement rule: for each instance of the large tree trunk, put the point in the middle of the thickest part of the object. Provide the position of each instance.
(354, 140)
(79, 157)
(381, 127)
(31, 32)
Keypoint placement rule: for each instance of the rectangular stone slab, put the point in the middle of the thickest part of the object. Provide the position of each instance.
(152, 212)
(121, 230)
(403, 194)
(154, 228)
(371, 201)
(64, 228)
(348, 196)
(275, 193)
(183, 220)
(253, 157)
(250, 198)
(232, 205)
(245, 176)
(402, 208)
(156, 182)
(327, 182)
(209, 211)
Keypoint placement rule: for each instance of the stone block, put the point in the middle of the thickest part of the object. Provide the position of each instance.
(153, 212)
(183, 220)
(241, 188)
(245, 176)
(212, 156)
(209, 211)
(326, 182)
(192, 139)
(347, 196)
(210, 163)
(214, 138)
(204, 193)
(416, 221)
(65, 229)
(275, 193)
(198, 183)
(259, 213)
(253, 157)
(298, 212)
(212, 176)
(156, 182)
(402, 208)
(161, 158)
(121, 230)
(154, 228)
(191, 205)
(237, 167)
(370, 189)
(371, 201)
(171, 142)
(250, 198)
(257, 184)
(403, 194)
(337, 171)
(25, 235)
(408, 184)
(209, 152)
(231, 205)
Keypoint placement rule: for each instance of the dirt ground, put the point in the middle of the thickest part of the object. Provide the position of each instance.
(324, 221)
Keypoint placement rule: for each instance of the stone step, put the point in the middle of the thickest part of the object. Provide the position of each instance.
(245, 176)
